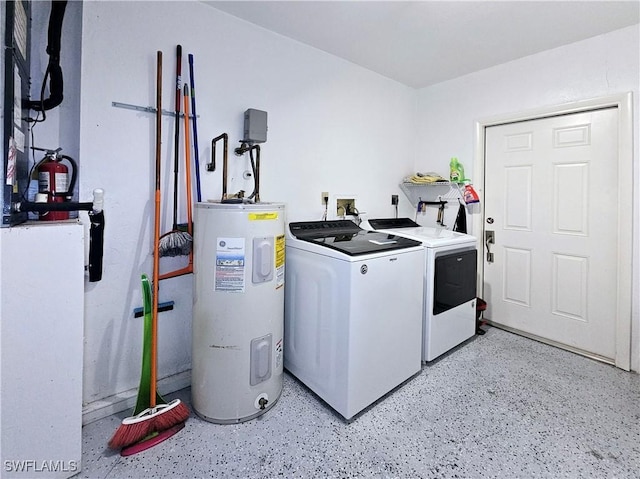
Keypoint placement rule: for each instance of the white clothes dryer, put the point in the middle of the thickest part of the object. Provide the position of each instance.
(353, 320)
(449, 283)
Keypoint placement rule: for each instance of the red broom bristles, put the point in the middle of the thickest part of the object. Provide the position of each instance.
(127, 434)
(170, 416)
(153, 420)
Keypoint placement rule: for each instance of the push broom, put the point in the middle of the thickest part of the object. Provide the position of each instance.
(159, 420)
(146, 427)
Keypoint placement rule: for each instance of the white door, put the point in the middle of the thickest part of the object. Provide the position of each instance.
(551, 199)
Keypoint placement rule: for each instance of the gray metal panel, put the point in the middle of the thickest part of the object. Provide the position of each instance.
(255, 126)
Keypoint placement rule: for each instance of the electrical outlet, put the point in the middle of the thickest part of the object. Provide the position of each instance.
(345, 206)
(324, 198)
(394, 199)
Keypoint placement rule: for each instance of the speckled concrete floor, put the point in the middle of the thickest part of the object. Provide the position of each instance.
(500, 406)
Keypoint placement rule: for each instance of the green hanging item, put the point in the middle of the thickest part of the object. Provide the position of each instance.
(456, 171)
(144, 391)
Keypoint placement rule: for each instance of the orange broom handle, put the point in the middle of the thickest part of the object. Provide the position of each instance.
(187, 148)
(156, 239)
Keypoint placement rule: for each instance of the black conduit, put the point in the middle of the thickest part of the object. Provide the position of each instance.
(54, 71)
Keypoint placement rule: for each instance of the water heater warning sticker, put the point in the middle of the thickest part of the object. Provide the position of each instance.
(279, 261)
(279, 354)
(263, 216)
(230, 262)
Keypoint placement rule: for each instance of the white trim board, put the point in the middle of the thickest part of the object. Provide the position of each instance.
(127, 400)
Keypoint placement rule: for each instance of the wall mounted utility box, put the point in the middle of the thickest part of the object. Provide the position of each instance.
(255, 126)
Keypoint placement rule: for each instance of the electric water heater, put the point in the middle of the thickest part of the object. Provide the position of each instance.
(238, 322)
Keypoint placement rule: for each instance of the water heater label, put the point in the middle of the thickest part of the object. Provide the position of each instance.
(230, 262)
(263, 216)
(279, 261)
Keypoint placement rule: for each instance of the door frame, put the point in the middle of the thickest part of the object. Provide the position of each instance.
(623, 103)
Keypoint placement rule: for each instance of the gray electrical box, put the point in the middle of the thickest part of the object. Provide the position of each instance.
(14, 137)
(255, 126)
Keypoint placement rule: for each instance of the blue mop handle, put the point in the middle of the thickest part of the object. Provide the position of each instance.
(196, 155)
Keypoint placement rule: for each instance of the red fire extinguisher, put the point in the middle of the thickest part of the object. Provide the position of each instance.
(54, 183)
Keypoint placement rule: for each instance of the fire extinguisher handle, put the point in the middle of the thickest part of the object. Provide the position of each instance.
(74, 174)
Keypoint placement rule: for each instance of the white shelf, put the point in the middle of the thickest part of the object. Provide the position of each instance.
(438, 191)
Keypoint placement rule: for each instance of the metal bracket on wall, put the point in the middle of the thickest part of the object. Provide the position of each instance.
(147, 109)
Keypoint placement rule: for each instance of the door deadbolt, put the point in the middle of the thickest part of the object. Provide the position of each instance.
(490, 220)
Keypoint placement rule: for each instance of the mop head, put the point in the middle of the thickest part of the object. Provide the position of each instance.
(175, 243)
(149, 422)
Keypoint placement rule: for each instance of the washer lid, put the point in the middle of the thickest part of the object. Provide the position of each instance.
(347, 237)
(429, 236)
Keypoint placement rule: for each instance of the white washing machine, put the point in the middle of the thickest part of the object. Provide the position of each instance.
(449, 283)
(353, 317)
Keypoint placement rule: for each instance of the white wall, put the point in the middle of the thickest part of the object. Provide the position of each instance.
(601, 66)
(333, 127)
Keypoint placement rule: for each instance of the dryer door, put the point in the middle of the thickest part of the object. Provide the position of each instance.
(454, 280)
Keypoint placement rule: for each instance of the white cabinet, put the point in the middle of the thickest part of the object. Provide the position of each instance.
(41, 344)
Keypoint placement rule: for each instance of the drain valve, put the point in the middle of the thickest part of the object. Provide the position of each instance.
(261, 401)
